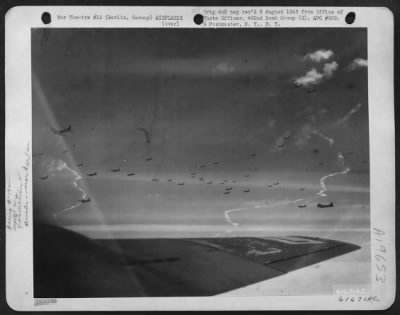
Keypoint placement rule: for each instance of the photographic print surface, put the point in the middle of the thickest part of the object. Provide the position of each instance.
(195, 162)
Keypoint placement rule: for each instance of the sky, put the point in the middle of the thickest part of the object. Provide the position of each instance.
(280, 116)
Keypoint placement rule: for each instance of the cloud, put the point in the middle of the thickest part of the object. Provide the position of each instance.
(319, 55)
(224, 68)
(330, 68)
(314, 77)
(358, 63)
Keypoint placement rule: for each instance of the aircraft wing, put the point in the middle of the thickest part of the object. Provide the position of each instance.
(70, 265)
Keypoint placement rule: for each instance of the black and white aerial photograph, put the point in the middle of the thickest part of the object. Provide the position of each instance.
(200, 162)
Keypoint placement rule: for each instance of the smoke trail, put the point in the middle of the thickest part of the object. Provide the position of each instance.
(341, 162)
(77, 177)
(342, 122)
(345, 169)
(324, 137)
(228, 218)
(323, 191)
(235, 224)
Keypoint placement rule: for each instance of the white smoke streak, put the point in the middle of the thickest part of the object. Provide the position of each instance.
(324, 137)
(235, 224)
(324, 189)
(342, 122)
(77, 177)
(340, 159)
(228, 218)
(306, 131)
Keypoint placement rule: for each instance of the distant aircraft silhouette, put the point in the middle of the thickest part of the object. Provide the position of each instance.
(130, 174)
(246, 190)
(44, 177)
(325, 205)
(155, 180)
(80, 164)
(301, 188)
(65, 151)
(270, 185)
(92, 174)
(247, 175)
(311, 91)
(276, 183)
(252, 155)
(215, 163)
(61, 132)
(227, 192)
(148, 159)
(315, 151)
(115, 170)
(202, 166)
(209, 183)
(302, 206)
(170, 180)
(181, 184)
(228, 188)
